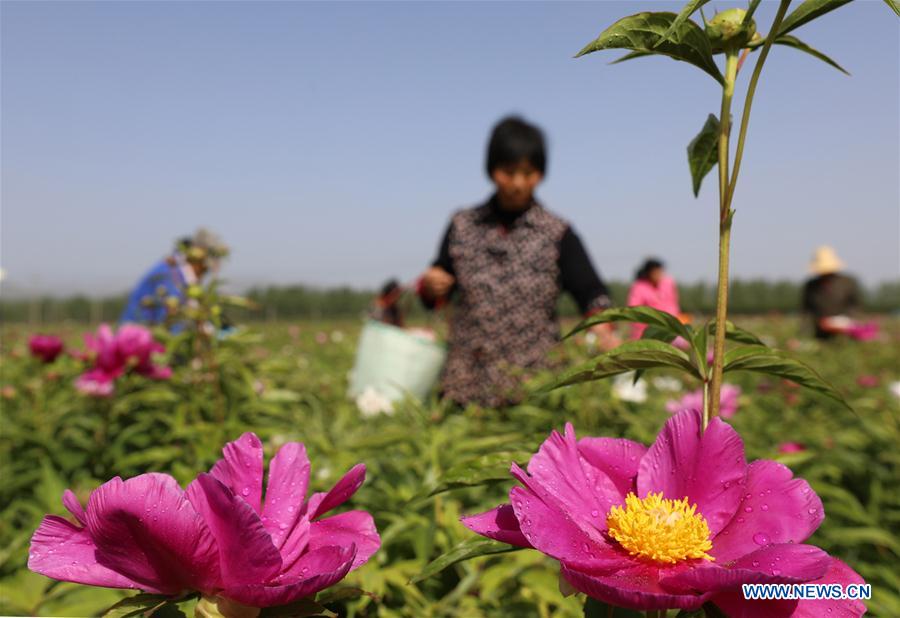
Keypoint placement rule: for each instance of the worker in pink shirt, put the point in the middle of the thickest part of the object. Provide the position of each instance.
(653, 288)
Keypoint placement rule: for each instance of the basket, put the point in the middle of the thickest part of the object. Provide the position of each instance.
(395, 362)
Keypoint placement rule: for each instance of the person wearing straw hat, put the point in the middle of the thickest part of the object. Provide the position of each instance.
(168, 280)
(830, 296)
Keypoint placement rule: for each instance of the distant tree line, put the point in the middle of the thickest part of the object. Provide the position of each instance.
(747, 296)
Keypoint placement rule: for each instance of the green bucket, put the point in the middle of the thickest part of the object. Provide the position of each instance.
(395, 362)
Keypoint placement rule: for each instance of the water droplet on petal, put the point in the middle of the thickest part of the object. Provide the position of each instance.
(760, 538)
(765, 507)
(595, 513)
(245, 491)
(748, 509)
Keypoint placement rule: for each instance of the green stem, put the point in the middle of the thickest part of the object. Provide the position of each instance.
(726, 194)
(751, 91)
(711, 402)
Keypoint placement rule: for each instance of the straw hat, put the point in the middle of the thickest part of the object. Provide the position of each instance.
(826, 261)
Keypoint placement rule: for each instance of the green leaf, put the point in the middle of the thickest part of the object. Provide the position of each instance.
(894, 5)
(808, 11)
(468, 549)
(478, 471)
(748, 16)
(642, 315)
(304, 608)
(792, 41)
(136, 605)
(703, 152)
(598, 609)
(772, 362)
(644, 33)
(630, 356)
(631, 56)
(737, 334)
(686, 11)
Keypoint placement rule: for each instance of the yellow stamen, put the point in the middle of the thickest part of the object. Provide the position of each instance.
(660, 530)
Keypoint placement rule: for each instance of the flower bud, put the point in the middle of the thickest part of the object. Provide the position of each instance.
(725, 30)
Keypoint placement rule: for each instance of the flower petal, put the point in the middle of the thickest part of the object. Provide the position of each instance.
(341, 492)
(553, 532)
(735, 605)
(707, 467)
(246, 553)
(617, 458)
(70, 501)
(350, 528)
(295, 543)
(325, 567)
(65, 552)
(563, 478)
(787, 563)
(775, 508)
(499, 524)
(285, 490)
(145, 529)
(634, 588)
(241, 470)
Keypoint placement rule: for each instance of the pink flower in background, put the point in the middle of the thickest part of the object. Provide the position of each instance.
(728, 401)
(863, 331)
(219, 537)
(790, 447)
(45, 347)
(96, 383)
(113, 354)
(684, 522)
(867, 381)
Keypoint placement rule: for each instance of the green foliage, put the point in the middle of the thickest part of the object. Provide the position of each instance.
(659, 34)
(53, 438)
(703, 152)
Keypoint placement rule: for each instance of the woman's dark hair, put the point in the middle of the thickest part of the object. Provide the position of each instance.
(649, 265)
(514, 140)
(390, 286)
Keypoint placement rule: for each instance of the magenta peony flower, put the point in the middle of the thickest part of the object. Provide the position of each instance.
(218, 537)
(96, 383)
(863, 331)
(132, 348)
(867, 381)
(681, 523)
(728, 401)
(45, 347)
(790, 447)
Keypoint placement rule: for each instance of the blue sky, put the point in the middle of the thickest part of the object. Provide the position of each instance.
(330, 142)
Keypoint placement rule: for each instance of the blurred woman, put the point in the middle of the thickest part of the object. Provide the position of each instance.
(652, 287)
(505, 264)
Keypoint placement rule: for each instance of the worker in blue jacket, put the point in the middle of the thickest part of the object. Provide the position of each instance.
(166, 284)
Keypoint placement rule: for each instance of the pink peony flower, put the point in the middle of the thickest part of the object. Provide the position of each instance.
(684, 522)
(130, 349)
(45, 347)
(95, 383)
(790, 447)
(863, 331)
(728, 401)
(218, 537)
(867, 381)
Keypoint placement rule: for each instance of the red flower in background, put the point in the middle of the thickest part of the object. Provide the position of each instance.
(45, 347)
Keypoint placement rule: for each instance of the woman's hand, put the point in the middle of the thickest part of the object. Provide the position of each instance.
(437, 282)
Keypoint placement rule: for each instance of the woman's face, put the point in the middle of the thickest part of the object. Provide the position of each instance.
(656, 275)
(516, 184)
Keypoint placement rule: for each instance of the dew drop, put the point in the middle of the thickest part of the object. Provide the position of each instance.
(756, 563)
(761, 538)
(764, 507)
(245, 491)
(776, 572)
(813, 511)
(748, 509)
(595, 513)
